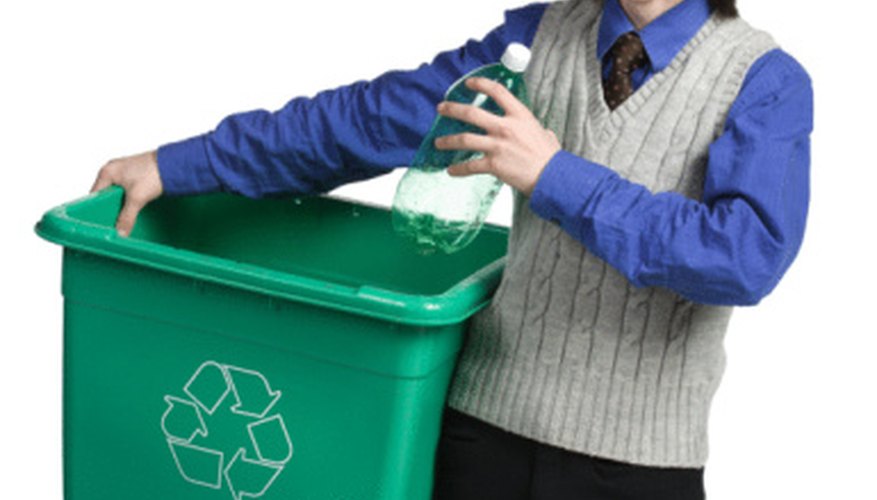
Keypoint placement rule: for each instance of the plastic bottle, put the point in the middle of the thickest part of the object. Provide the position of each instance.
(434, 210)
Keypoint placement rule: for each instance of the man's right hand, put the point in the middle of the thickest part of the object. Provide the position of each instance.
(138, 175)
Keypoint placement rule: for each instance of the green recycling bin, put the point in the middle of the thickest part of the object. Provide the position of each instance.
(234, 348)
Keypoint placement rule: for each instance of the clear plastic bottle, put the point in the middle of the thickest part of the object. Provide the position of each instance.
(434, 210)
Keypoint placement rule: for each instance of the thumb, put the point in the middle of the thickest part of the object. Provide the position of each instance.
(128, 215)
(100, 183)
(105, 177)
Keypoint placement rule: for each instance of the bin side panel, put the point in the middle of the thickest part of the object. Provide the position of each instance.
(352, 434)
(171, 386)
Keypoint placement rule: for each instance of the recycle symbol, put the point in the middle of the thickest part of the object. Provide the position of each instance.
(236, 403)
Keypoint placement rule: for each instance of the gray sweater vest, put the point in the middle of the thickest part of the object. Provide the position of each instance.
(569, 353)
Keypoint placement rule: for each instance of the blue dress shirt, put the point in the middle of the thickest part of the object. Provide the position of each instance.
(729, 248)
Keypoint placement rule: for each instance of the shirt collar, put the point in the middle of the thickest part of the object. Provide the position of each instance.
(663, 38)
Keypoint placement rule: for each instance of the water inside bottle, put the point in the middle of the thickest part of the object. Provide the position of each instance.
(430, 234)
(438, 212)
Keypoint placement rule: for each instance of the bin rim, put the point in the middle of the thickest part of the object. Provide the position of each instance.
(453, 306)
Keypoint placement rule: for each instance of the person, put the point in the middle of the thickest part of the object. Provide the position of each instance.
(660, 178)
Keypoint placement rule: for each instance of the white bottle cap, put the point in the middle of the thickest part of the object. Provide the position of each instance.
(516, 57)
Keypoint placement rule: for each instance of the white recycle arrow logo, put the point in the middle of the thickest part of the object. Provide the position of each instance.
(183, 423)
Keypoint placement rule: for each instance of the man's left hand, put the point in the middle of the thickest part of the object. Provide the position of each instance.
(516, 147)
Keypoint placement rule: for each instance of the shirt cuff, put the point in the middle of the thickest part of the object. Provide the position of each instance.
(184, 167)
(566, 184)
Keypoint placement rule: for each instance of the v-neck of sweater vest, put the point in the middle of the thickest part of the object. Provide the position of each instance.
(610, 121)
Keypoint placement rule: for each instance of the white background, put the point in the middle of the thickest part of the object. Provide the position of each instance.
(83, 82)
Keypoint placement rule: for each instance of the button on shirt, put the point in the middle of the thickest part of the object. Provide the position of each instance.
(756, 188)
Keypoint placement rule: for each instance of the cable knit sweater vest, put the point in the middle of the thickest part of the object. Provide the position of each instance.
(569, 353)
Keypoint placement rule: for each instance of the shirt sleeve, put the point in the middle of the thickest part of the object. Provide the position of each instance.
(354, 132)
(732, 246)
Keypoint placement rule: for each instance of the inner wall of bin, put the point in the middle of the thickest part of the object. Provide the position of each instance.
(322, 238)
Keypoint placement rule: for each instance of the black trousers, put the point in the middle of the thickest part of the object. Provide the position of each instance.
(477, 461)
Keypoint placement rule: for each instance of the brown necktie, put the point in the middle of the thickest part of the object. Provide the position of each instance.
(626, 55)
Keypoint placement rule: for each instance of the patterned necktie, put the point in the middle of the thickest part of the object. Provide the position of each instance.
(628, 54)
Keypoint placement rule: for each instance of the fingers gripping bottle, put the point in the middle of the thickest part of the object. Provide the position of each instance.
(434, 210)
